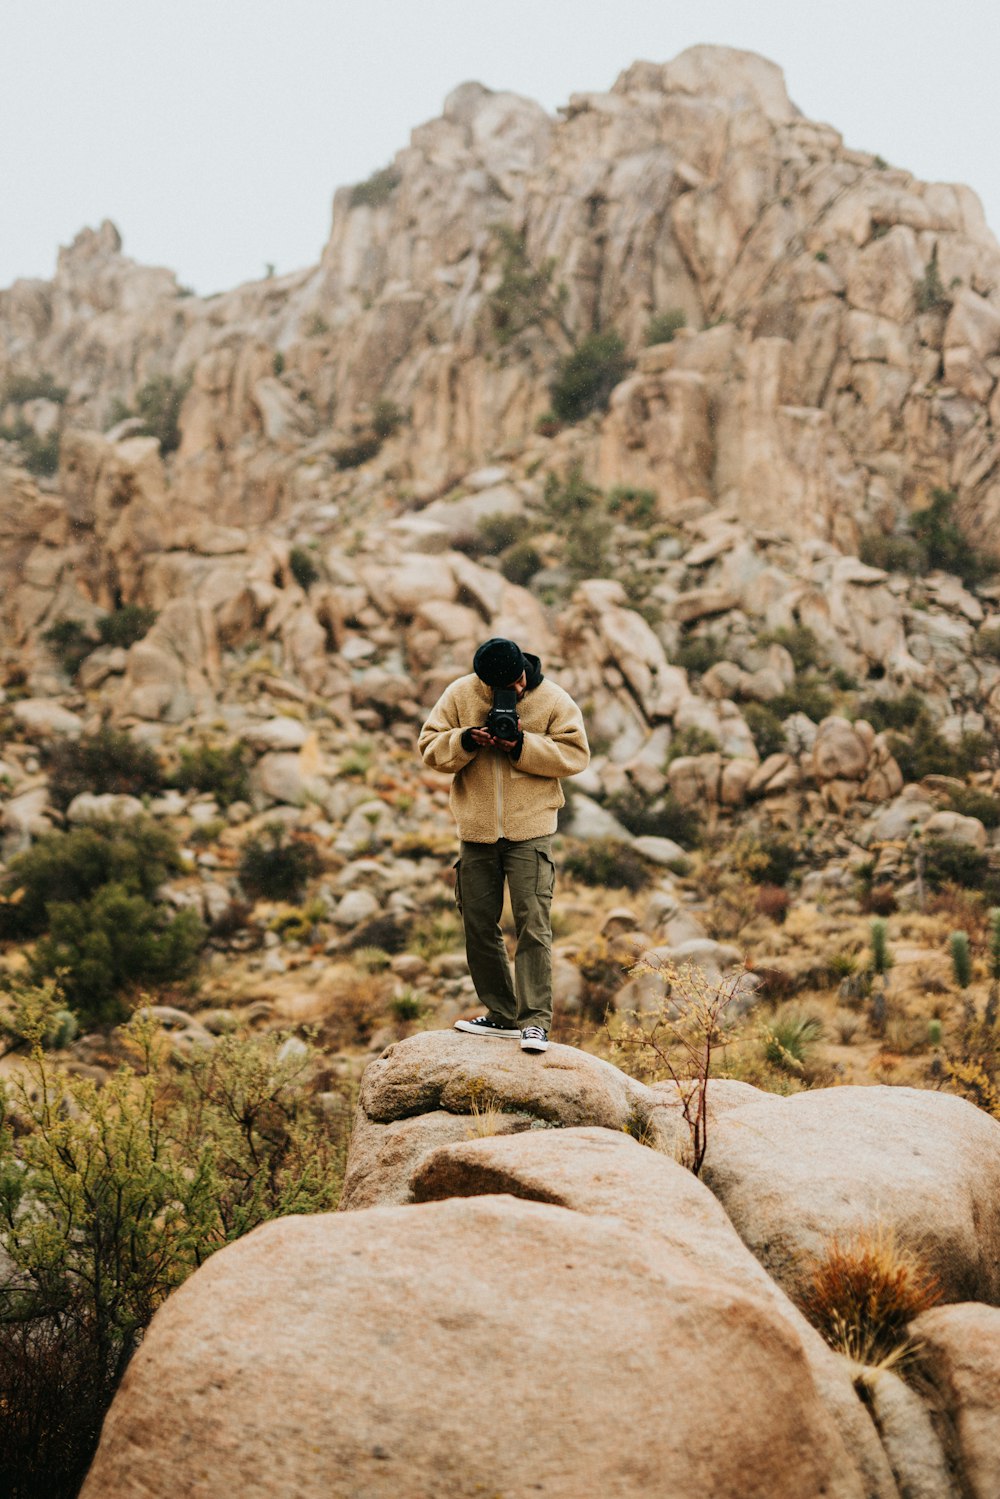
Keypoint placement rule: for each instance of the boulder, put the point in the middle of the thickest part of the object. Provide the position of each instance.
(957, 829)
(105, 806)
(792, 1173)
(959, 1353)
(45, 719)
(384, 1157)
(839, 752)
(376, 1328)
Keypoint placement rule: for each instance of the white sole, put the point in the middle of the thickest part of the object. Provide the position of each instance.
(534, 1046)
(468, 1029)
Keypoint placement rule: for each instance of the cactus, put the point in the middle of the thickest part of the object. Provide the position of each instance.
(881, 959)
(961, 959)
(993, 955)
(934, 1032)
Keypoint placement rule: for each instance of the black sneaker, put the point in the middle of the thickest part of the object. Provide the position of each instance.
(485, 1025)
(533, 1038)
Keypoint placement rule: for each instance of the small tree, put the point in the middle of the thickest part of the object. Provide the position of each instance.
(679, 1039)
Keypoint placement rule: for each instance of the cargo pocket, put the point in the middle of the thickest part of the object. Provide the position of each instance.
(545, 873)
(458, 885)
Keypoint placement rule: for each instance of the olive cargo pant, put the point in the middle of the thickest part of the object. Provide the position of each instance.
(531, 876)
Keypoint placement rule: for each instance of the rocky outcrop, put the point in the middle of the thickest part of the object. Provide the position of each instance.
(959, 1352)
(355, 1309)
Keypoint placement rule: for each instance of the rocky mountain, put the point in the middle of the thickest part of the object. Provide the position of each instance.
(700, 405)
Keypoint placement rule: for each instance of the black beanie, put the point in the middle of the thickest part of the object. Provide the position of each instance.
(498, 662)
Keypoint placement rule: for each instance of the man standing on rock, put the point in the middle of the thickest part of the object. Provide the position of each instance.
(505, 798)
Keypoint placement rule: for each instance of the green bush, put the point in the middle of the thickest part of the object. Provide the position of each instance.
(766, 727)
(636, 506)
(159, 404)
(586, 377)
(110, 1197)
(377, 189)
(945, 545)
(495, 533)
(790, 1041)
(273, 867)
(125, 625)
(21, 388)
(691, 741)
(928, 291)
(800, 643)
(106, 949)
(662, 818)
(137, 856)
(219, 770)
(303, 567)
(526, 297)
(519, 563)
(107, 761)
(69, 642)
(610, 864)
(569, 498)
(806, 696)
(586, 550)
(664, 326)
(893, 554)
(925, 752)
(947, 862)
(971, 802)
(885, 713)
(41, 454)
(353, 454)
(765, 859)
(387, 418)
(699, 653)
(278, 364)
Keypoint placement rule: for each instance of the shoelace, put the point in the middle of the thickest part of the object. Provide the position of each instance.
(535, 1032)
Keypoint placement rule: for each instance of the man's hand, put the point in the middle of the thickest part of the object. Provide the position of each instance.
(486, 740)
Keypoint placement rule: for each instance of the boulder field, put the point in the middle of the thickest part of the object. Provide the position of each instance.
(520, 1298)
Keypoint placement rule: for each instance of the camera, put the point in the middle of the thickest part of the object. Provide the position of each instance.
(502, 717)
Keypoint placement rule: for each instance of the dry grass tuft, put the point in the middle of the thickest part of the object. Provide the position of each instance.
(862, 1294)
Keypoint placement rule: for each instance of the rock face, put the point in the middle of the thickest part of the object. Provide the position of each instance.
(959, 1350)
(384, 1324)
(793, 1172)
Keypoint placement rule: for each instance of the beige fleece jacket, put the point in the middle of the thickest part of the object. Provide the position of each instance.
(493, 796)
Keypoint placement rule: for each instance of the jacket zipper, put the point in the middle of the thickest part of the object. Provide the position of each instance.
(499, 790)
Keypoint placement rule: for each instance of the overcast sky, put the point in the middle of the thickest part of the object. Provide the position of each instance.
(213, 132)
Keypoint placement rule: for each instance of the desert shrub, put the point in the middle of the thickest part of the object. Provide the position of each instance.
(944, 543)
(20, 388)
(799, 641)
(377, 189)
(773, 902)
(928, 291)
(159, 403)
(220, 770)
(923, 751)
(893, 554)
(691, 741)
(41, 454)
(664, 326)
(662, 818)
(387, 418)
(278, 364)
(107, 948)
(973, 751)
(110, 1198)
(526, 296)
(880, 900)
(586, 377)
(864, 1291)
(790, 1040)
(571, 497)
(698, 653)
(807, 696)
(407, 1005)
(971, 802)
(767, 859)
(436, 934)
(987, 643)
(276, 867)
(124, 626)
(358, 451)
(766, 728)
(303, 567)
(495, 533)
(69, 642)
(605, 862)
(636, 506)
(105, 761)
(137, 856)
(949, 862)
(893, 712)
(586, 547)
(519, 563)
